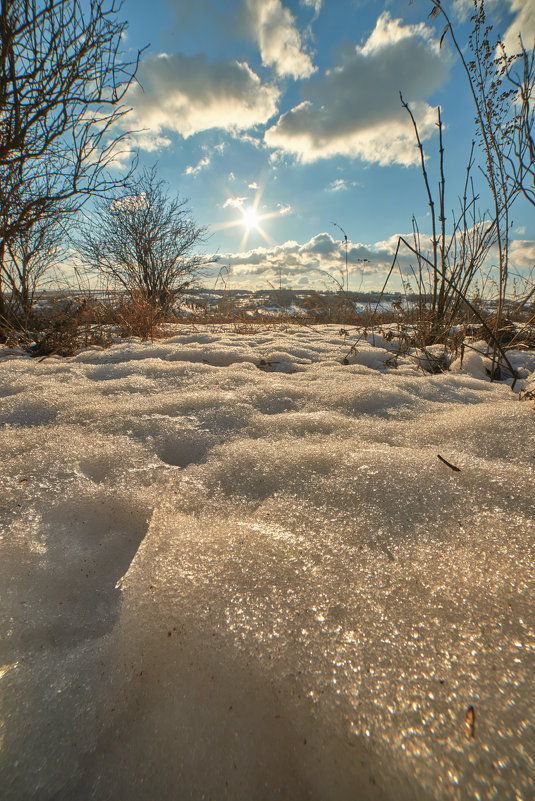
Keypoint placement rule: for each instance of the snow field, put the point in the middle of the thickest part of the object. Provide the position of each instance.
(312, 602)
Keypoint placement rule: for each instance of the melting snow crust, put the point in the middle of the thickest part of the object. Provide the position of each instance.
(309, 604)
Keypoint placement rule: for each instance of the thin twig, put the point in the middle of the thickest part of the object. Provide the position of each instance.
(449, 464)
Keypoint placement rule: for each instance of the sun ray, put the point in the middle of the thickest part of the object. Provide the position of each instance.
(243, 242)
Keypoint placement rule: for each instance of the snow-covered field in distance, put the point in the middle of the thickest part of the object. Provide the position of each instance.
(234, 567)
(272, 303)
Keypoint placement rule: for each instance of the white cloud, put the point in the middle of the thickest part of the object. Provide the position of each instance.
(273, 27)
(524, 24)
(193, 170)
(389, 32)
(188, 94)
(234, 202)
(255, 140)
(254, 185)
(340, 185)
(523, 252)
(284, 208)
(321, 245)
(149, 142)
(464, 9)
(269, 23)
(354, 109)
(124, 150)
(315, 4)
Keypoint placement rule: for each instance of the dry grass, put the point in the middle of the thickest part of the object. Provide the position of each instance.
(70, 324)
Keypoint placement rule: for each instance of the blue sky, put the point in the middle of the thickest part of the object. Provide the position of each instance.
(278, 118)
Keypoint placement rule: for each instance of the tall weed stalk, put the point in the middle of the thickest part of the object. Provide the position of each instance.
(486, 68)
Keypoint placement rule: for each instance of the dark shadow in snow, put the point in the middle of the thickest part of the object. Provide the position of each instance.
(88, 544)
(181, 452)
(29, 413)
(60, 603)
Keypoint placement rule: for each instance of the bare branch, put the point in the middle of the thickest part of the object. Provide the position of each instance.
(62, 82)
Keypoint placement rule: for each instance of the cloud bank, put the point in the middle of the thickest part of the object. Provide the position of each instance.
(318, 261)
(354, 109)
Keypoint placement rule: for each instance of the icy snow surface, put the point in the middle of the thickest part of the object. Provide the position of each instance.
(233, 567)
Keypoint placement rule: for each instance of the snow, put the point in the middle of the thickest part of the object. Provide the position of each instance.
(232, 566)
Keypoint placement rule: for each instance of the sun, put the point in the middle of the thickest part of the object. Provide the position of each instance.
(250, 218)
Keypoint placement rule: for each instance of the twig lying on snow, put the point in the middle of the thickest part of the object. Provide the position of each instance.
(451, 466)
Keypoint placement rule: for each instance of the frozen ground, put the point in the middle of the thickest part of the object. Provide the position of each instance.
(234, 567)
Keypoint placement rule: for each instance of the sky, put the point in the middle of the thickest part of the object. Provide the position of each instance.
(280, 121)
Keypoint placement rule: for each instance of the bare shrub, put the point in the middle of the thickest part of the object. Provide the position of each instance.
(143, 240)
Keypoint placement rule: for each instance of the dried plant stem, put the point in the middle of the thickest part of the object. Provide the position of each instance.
(491, 333)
